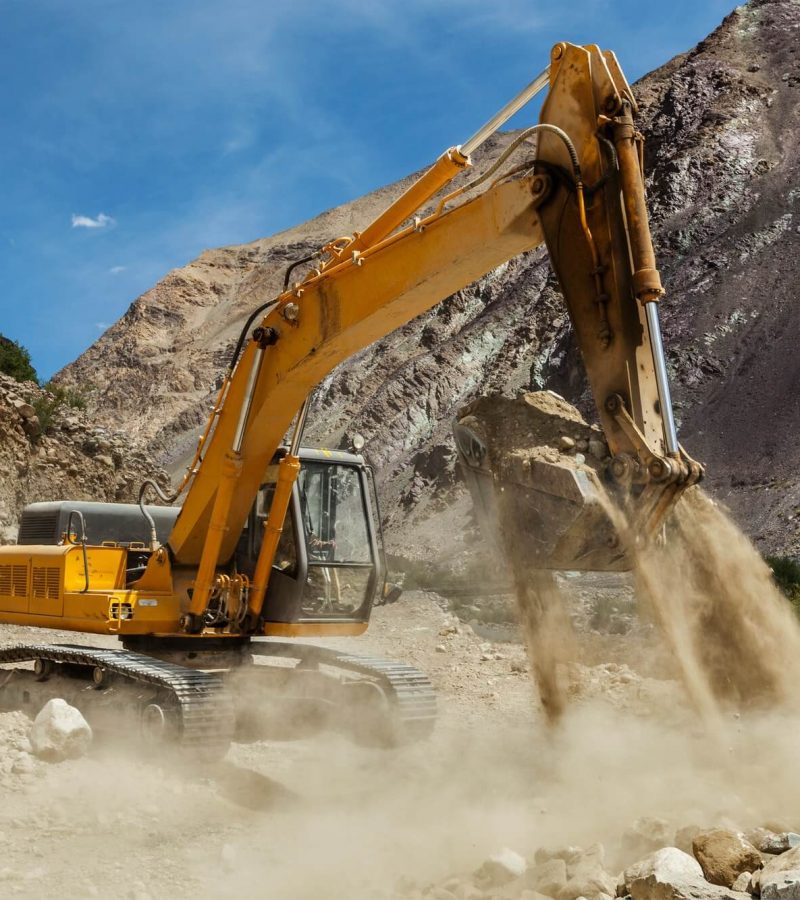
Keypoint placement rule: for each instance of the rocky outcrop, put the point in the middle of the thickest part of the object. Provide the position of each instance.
(723, 160)
(49, 450)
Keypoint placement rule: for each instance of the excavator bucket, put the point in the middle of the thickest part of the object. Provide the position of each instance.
(536, 473)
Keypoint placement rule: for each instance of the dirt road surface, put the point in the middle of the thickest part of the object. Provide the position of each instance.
(324, 818)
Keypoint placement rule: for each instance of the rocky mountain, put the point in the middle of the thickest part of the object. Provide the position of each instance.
(722, 153)
(51, 450)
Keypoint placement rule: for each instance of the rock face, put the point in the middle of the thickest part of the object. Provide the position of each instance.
(60, 732)
(50, 451)
(723, 163)
(724, 855)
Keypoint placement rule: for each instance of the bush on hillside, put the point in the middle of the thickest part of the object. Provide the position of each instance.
(15, 360)
(786, 572)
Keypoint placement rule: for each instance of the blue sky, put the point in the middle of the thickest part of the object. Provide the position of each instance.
(138, 133)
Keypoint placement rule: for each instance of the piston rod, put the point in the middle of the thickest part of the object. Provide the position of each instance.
(500, 118)
(299, 427)
(662, 378)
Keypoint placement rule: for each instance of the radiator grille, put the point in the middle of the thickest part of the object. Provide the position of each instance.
(13, 581)
(38, 528)
(46, 583)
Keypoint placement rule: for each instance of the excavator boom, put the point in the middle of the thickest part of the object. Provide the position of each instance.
(283, 541)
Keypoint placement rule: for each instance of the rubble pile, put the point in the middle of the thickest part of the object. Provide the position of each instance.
(49, 450)
(721, 864)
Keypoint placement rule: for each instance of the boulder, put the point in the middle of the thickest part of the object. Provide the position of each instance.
(586, 876)
(684, 837)
(548, 878)
(598, 449)
(780, 877)
(724, 855)
(671, 874)
(590, 883)
(569, 854)
(60, 732)
(32, 426)
(780, 843)
(25, 410)
(786, 888)
(644, 836)
(760, 837)
(500, 869)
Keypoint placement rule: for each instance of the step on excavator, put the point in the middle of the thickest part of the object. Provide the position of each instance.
(266, 543)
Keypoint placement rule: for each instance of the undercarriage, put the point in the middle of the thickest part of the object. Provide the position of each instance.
(201, 700)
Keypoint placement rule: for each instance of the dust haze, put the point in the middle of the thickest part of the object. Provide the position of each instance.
(323, 817)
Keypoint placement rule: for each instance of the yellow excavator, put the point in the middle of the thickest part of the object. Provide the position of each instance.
(273, 542)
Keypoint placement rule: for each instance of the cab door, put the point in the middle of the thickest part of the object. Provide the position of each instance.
(328, 566)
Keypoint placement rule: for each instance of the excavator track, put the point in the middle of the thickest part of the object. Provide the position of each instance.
(399, 706)
(204, 724)
(408, 693)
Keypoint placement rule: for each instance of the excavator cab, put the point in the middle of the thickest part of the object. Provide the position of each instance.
(329, 565)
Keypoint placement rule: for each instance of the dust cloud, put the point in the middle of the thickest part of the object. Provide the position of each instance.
(732, 634)
(735, 635)
(716, 748)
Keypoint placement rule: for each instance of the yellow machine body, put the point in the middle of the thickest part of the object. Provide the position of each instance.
(582, 194)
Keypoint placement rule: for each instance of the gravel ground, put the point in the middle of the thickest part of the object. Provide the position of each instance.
(322, 818)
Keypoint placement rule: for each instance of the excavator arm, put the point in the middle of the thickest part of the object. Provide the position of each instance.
(582, 194)
(593, 214)
(202, 580)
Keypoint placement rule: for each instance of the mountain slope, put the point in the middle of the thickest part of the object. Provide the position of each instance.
(721, 131)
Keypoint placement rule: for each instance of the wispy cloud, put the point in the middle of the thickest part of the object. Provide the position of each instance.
(116, 270)
(102, 221)
(102, 326)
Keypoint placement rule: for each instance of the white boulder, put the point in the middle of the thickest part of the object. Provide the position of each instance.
(671, 874)
(60, 732)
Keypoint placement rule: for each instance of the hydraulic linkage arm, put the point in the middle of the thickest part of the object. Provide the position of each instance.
(596, 227)
(583, 195)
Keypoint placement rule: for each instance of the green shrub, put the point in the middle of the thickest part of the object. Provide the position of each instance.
(16, 361)
(47, 405)
(786, 572)
(64, 396)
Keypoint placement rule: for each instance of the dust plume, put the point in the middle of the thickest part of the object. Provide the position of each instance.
(548, 636)
(734, 634)
(731, 633)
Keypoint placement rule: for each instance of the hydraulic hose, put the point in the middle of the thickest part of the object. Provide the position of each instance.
(544, 126)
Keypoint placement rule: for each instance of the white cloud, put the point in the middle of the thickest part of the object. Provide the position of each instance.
(116, 270)
(102, 221)
(102, 326)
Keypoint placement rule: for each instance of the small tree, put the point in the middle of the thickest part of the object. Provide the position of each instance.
(16, 361)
